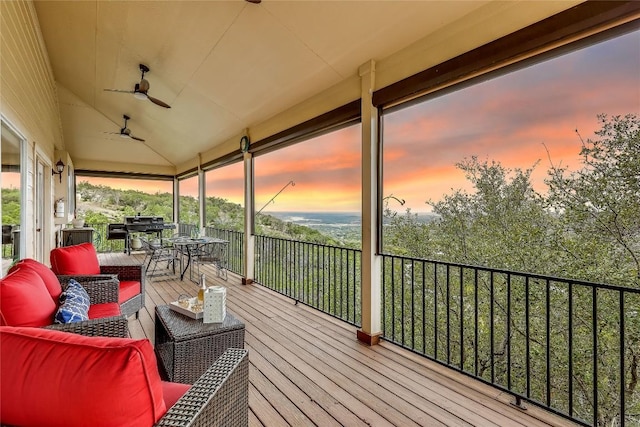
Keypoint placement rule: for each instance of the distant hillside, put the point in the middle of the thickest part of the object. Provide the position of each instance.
(100, 204)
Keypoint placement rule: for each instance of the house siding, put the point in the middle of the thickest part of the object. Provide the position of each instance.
(29, 103)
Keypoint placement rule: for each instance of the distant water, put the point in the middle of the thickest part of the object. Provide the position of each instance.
(311, 219)
(331, 219)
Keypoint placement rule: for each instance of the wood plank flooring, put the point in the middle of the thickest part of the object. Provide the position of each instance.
(307, 368)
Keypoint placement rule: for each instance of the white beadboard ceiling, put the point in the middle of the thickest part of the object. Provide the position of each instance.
(223, 66)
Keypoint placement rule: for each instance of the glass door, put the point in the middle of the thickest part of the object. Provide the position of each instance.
(12, 192)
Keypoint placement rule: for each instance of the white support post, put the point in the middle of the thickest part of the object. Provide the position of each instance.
(371, 263)
(176, 203)
(249, 239)
(202, 200)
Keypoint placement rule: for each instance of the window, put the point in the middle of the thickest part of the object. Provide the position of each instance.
(102, 200)
(315, 184)
(225, 197)
(473, 166)
(12, 195)
(188, 204)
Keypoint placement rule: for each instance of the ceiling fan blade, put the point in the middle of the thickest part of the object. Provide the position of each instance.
(119, 90)
(136, 138)
(158, 102)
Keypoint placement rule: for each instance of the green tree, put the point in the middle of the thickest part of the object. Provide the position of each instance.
(598, 205)
(502, 224)
(599, 216)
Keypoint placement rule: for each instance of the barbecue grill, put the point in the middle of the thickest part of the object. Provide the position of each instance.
(137, 224)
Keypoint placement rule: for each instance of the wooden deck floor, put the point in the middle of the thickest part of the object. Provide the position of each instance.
(307, 368)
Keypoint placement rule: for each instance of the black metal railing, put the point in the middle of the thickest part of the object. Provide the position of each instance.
(100, 241)
(235, 249)
(103, 244)
(569, 346)
(324, 277)
(187, 230)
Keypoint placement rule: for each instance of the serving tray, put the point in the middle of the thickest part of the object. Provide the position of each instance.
(187, 311)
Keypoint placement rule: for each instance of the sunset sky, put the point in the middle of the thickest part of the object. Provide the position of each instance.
(518, 119)
(510, 119)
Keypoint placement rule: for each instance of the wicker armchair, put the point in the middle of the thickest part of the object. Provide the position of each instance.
(82, 259)
(220, 397)
(101, 289)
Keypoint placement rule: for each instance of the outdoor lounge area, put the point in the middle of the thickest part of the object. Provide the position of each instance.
(306, 368)
(423, 212)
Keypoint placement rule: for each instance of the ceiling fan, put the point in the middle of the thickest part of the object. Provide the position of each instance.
(141, 90)
(125, 132)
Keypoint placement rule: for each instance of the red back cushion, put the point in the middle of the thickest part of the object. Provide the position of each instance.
(46, 274)
(78, 259)
(25, 300)
(53, 378)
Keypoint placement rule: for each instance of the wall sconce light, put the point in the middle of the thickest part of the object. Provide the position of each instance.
(59, 170)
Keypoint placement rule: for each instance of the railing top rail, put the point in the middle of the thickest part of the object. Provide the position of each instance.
(309, 243)
(520, 273)
(223, 229)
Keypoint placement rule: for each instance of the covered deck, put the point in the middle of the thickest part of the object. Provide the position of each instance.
(307, 368)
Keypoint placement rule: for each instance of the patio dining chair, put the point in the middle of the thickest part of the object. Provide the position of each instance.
(214, 253)
(157, 251)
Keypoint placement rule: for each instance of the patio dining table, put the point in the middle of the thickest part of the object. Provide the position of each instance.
(191, 246)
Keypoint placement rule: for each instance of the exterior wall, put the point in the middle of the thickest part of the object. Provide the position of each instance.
(29, 103)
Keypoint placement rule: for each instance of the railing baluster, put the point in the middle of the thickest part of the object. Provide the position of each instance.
(570, 349)
(384, 296)
(448, 296)
(393, 297)
(622, 382)
(491, 322)
(594, 326)
(461, 338)
(475, 314)
(527, 334)
(355, 285)
(347, 277)
(413, 303)
(403, 313)
(424, 310)
(548, 343)
(341, 267)
(435, 311)
(508, 331)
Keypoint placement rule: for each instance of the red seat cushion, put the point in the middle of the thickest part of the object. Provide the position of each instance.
(25, 300)
(100, 311)
(172, 392)
(128, 290)
(46, 274)
(78, 259)
(53, 378)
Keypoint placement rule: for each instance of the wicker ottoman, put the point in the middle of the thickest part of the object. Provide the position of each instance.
(186, 348)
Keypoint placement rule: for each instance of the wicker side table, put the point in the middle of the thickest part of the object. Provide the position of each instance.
(186, 348)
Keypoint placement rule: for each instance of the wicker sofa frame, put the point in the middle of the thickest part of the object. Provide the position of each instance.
(101, 289)
(220, 397)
